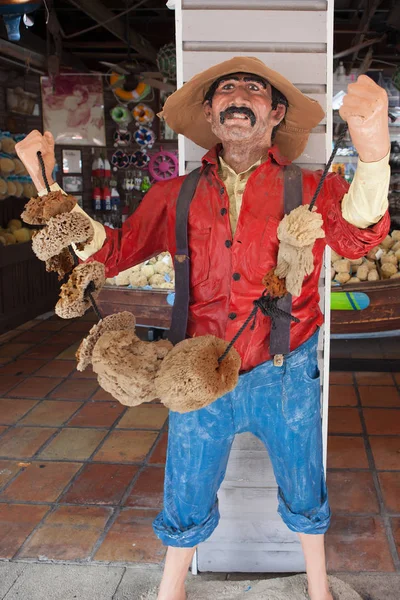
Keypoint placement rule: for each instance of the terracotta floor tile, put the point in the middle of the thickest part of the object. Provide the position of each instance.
(342, 395)
(24, 442)
(344, 420)
(28, 325)
(29, 337)
(100, 484)
(44, 351)
(357, 544)
(390, 486)
(57, 368)
(8, 335)
(86, 374)
(17, 521)
(73, 389)
(352, 492)
(126, 446)
(22, 367)
(7, 382)
(377, 395)
(69, 533)
(102, 396)
(52, 413)
(373, 378)
(74, 444)
(35, 387)
(50, 325)
(148, 489)
(159, 454)
(79, 326)
(382, 421)
(8, 468)
(65, 338)
(396, 532)
(41, 482)
(13, 349)
(386, 451)
(345, 452)
(95, 414)
(131, 539)
(11, 410)
(341, 377)
(144, 417)
(68, 353)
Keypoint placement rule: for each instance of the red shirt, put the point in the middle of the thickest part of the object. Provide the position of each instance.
(226, 272)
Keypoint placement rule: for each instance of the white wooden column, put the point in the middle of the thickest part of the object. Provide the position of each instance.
(293, 37)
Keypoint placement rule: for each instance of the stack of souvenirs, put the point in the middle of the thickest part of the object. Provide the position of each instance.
(14, 179)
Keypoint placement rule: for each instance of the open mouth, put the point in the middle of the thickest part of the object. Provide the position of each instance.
(243, 114)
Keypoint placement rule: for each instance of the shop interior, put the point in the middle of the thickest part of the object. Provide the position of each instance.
(97, 74)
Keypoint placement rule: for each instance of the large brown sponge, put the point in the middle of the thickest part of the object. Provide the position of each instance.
(39, 210)
(118, 321)
(60, 232)
(73, 302)
(126, 366)
(190, 376)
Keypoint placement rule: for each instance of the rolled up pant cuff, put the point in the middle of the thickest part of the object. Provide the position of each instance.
(316, 523)
(189, 537)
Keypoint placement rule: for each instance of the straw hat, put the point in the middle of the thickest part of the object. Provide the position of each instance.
(183, 110)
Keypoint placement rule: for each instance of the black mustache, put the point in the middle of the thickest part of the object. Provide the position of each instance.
(244, 110)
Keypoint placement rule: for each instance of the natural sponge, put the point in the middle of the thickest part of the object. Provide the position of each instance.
(126, 366)
(116, 322)
(73, 301)
(190, 376)
(62, 263)
(60, 232)
(39, 210)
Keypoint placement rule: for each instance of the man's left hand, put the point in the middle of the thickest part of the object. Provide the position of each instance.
(365, 108)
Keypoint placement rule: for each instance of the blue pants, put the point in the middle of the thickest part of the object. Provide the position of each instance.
(280, 406)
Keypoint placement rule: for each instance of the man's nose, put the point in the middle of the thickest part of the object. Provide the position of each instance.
(242, 95)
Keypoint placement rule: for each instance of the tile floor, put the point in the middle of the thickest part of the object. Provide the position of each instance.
(81, 475)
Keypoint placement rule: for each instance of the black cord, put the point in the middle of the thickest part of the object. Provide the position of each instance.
(269, 308)
(41, 162)
(328, 166)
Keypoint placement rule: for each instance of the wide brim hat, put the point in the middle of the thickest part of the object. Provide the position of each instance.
(183, 110)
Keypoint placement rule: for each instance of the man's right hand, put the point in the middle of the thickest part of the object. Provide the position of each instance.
(27, 151)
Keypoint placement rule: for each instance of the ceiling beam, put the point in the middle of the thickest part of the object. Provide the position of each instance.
(100, 13)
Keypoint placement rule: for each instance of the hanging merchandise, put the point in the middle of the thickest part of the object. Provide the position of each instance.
(106, 198)
(115, 200)
(121, 115)
(146, 185)
(96, 198)
(163, 165)
(143, 114)
(138, 180)
(119, 160)
(166, 61)
(124, 93)
(140, 159)
(122, 137)
(107, 168)
(98, 167)
(145, 137)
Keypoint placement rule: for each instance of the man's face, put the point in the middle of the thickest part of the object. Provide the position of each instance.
(254, 119)
(79, 96)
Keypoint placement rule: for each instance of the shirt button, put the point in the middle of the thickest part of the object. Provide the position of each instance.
(228, 243)
(223, 211)
(236, 276)
(232, 316)
(222, 191)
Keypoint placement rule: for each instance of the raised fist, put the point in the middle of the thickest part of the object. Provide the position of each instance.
(27, 151)
(365, 108)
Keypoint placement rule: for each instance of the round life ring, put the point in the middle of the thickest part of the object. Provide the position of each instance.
(122, 93)
(140, 159)
(163, 166)
(145, 136)
(143, 114)
(120, 160)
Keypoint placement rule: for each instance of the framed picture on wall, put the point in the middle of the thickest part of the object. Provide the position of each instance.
(72, 184)
(72, 161)
(73, 109)
(79, 198)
